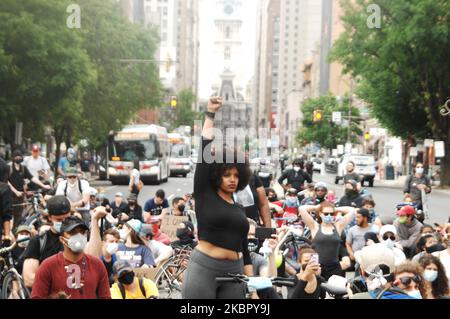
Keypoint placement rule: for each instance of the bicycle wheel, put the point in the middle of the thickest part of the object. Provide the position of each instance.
(169, 279)
(13, 287)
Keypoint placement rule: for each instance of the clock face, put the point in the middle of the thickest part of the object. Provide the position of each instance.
(228, 9)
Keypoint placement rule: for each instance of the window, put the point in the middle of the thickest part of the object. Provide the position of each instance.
(164, 36)
(227, 33)
(227, 53)
(165, 11)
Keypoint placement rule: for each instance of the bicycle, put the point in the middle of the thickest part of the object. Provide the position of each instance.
(169, 277)
(11, 282)
(257, 283)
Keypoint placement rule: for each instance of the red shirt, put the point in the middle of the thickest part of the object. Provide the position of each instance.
(56, 274)
(288, 212)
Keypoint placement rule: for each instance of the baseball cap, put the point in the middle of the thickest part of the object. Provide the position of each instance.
(189, 226)
(122, 266)
(17, 153)
(72, 222)
(146, 230)
(352, 182)
(372, 256)
(119, 194)
(292, 191)
(320, 185)
(388, 228)
(406, 211)
(364, 212)
(72, 171)
(132, 197)
(22, 228)
(58, 205)
(35, 148)
(135, 225)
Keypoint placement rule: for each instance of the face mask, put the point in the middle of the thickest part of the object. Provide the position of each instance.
(430, 275)
(272, 199)
(434, 248)
(350, 192)
(57, 226)
(112, 248)
(291, 201)
(419, 170)
(296, 168)
(328, 219)
(182, 233)
(403, 219)
(181, 208)
(415, 294)
(25, 243)
(18, 161)
(127, 279)
(77, 243)
(253, 245)
(350, 170)
(123, 234)
(389, 243)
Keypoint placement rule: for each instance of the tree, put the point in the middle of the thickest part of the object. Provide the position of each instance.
(324, 132)
(403, 66)
(182, 114)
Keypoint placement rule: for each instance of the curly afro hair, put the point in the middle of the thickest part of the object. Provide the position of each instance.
(226, 159)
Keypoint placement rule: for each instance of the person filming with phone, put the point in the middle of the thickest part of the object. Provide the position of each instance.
(308, 279)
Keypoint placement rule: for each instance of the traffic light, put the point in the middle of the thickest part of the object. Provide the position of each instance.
(367, 136)
(317, 116)
(173, 101)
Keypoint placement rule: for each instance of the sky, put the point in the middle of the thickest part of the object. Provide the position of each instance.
(206, 36)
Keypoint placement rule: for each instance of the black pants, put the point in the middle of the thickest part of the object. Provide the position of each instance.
(200, 278)
(17, 210)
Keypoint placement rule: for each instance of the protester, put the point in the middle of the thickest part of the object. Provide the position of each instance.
(133, 209)
(86, 166)
(434, 274)
(38, 166)
(22, 232)
(423, 245)
(409, 278)
(73, 272)
(326, 235)
(186, 235)
(178, 207)
(351, 174)
(76, 190)
(444, 257)
(375, 220)
(134, 249)
(135, 185)
(160, 251)
(6, 198)
(128, 286)
(156, 207)
(355, 237)
(48, 244)
(309, 280)
(222, 224)
(377, 268)
(111, 239)
(408, 229)
(119, 208)
(295, 177)
(414, 185)
(320, 195)
(388, 237)
(352, 197)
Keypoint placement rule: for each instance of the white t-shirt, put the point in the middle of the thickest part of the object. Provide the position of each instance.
(73, 192)
(135, 173)
(34, 165)
(158, 248)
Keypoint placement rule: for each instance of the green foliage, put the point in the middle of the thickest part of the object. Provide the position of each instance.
(326, 133)
(403, 66)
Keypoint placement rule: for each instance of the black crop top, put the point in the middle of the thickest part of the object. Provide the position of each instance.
(219, 222)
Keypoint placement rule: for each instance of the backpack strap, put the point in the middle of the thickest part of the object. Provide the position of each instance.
(42, 242)
(122, 289)
(141, 285)
(79, 187)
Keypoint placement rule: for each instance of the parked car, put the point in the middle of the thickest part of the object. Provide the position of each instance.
(364, 166)
(317, 164)
(331, 165)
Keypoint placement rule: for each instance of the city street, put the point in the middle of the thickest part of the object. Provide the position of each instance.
(386, 198)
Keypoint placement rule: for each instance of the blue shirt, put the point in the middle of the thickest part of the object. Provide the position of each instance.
(136, 256)
(64, 163)
(155, 209)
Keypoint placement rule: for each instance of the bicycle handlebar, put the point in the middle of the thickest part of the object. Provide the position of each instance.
(6, 250)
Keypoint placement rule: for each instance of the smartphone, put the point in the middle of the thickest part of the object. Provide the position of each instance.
(263, 232)
(314, 258)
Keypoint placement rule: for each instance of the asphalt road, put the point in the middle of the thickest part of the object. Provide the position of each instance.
(386, 198)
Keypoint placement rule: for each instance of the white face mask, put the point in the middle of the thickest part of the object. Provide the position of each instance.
(296, 168)
(415, 294)
(25, 243)
(77, 243)
(389, 243)
(419, 170)
(112, 248)
(123, 234)
(430, 275)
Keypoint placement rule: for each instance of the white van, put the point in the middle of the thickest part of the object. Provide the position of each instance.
(364, 166)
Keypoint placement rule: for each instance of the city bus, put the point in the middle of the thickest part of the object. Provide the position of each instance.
(180, 155)
(149, 144)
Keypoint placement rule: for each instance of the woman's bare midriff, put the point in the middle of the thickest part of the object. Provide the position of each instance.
(217, 252)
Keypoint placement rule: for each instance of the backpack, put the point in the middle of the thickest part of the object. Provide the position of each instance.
(79, 188)
(141, 286)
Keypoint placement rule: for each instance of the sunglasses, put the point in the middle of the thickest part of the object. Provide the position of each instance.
(386, 237)
(71, 177)
(407, 280)
(328, 214)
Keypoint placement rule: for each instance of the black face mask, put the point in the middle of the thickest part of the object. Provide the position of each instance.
(184, 235)
(272, 199)
(434, 248)
(181, 208)
(127, 279)
(18, 160)
(253, 244)
(350, 192)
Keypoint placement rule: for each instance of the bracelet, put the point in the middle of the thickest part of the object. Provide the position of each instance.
(211, 115)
